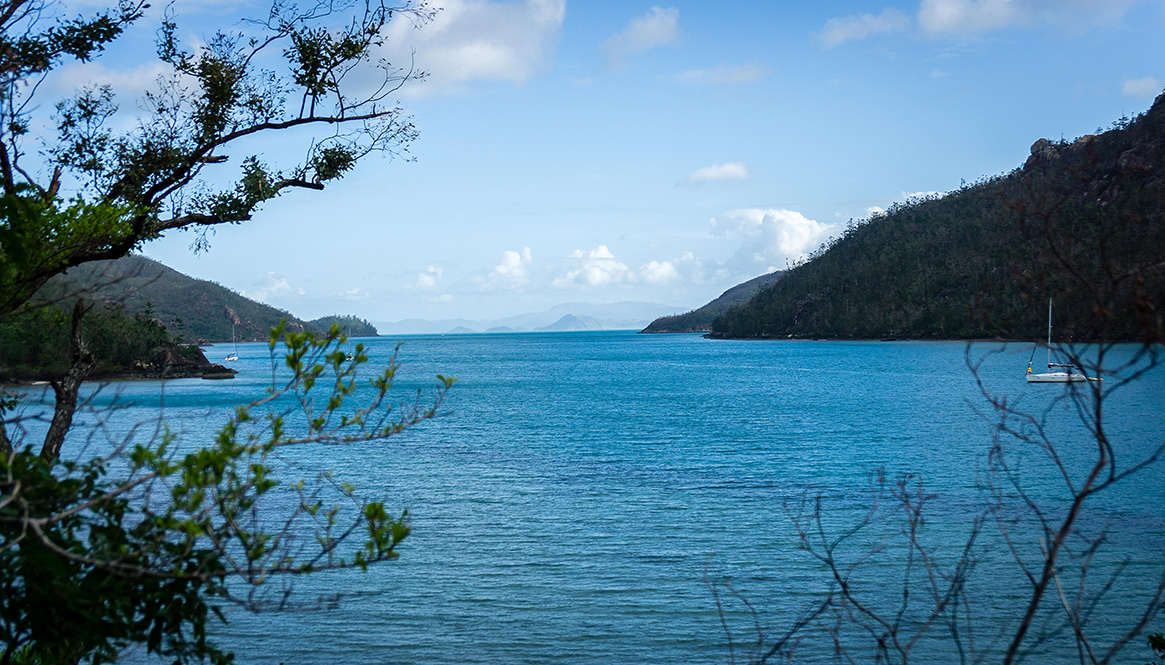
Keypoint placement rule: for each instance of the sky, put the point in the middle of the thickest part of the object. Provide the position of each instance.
(621, 151)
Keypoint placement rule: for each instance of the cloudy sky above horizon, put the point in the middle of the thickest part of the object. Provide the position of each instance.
(611, 151)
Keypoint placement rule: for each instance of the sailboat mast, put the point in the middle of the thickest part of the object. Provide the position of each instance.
(1049, 332)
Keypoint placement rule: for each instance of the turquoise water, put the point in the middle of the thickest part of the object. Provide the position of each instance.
(583, 488)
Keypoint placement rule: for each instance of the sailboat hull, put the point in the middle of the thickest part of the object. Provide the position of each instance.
(1056, 377)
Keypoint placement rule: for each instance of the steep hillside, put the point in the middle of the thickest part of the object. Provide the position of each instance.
(700, 319)
(1083, 222)
(192, 308)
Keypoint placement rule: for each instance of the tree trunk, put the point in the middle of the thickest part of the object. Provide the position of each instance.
(66, 388)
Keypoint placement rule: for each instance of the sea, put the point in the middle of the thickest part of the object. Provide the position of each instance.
(618, 498)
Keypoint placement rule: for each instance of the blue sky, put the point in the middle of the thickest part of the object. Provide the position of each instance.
(610, 151)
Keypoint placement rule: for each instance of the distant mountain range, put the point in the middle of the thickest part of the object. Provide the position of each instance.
(628, 315)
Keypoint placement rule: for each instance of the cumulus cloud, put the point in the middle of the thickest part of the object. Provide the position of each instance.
(427, 280)
(659, 272)
(273, 285)
(476, 40)
(655, 28)
(724, 75)
(597, 267)
(1147, 87)
(686, 268)
(770, 238)
(838, 31)
(511, 271)
(726, 171)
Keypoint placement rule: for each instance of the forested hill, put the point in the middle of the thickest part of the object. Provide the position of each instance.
(1080, 221)
(190, 308)
(700, 319)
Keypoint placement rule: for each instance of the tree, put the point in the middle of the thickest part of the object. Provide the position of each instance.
(156, 178)
(134, 543)
(137, 543)
(1064, 568)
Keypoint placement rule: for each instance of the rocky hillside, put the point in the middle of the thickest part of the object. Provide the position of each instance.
(1081, 221)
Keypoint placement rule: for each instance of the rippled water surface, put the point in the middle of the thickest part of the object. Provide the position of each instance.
(583, 487)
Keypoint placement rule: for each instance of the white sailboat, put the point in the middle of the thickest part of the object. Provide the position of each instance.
(1057, 372)
(233, 355)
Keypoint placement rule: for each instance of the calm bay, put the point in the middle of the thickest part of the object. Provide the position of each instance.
(582, 490)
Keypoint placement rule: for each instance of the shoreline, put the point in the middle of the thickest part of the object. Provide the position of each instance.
(212, 372)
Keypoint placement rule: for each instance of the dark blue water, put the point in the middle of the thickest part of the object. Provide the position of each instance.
(583, 488)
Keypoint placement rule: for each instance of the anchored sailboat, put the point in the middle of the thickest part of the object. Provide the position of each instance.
(1057, 372)
(233, 355)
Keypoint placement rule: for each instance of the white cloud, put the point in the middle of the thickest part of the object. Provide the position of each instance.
(875, 211)
(659, 272)
(512, 270)
(770, 238)
(125, 82)
(724, 75)
(427, 281)
(956, 18)
(655, 28)
(477, 40)
(962, 17)
(273, 285)
(1147, 87)
(967, 16)
(838, 31)
(351, 294)
(906, 196)
(686, 268)
(597, 267)
(726, 171)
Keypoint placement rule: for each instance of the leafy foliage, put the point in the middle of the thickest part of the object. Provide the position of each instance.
(35, 344)
(137, 184)
(141, 544)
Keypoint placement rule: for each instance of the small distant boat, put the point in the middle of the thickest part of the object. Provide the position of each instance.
(233, 355)
(1057, 372)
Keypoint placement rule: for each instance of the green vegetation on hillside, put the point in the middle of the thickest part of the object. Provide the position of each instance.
(34, 345)
(193, 308)
(700, 319)
(350, 326)
(1081, 222)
